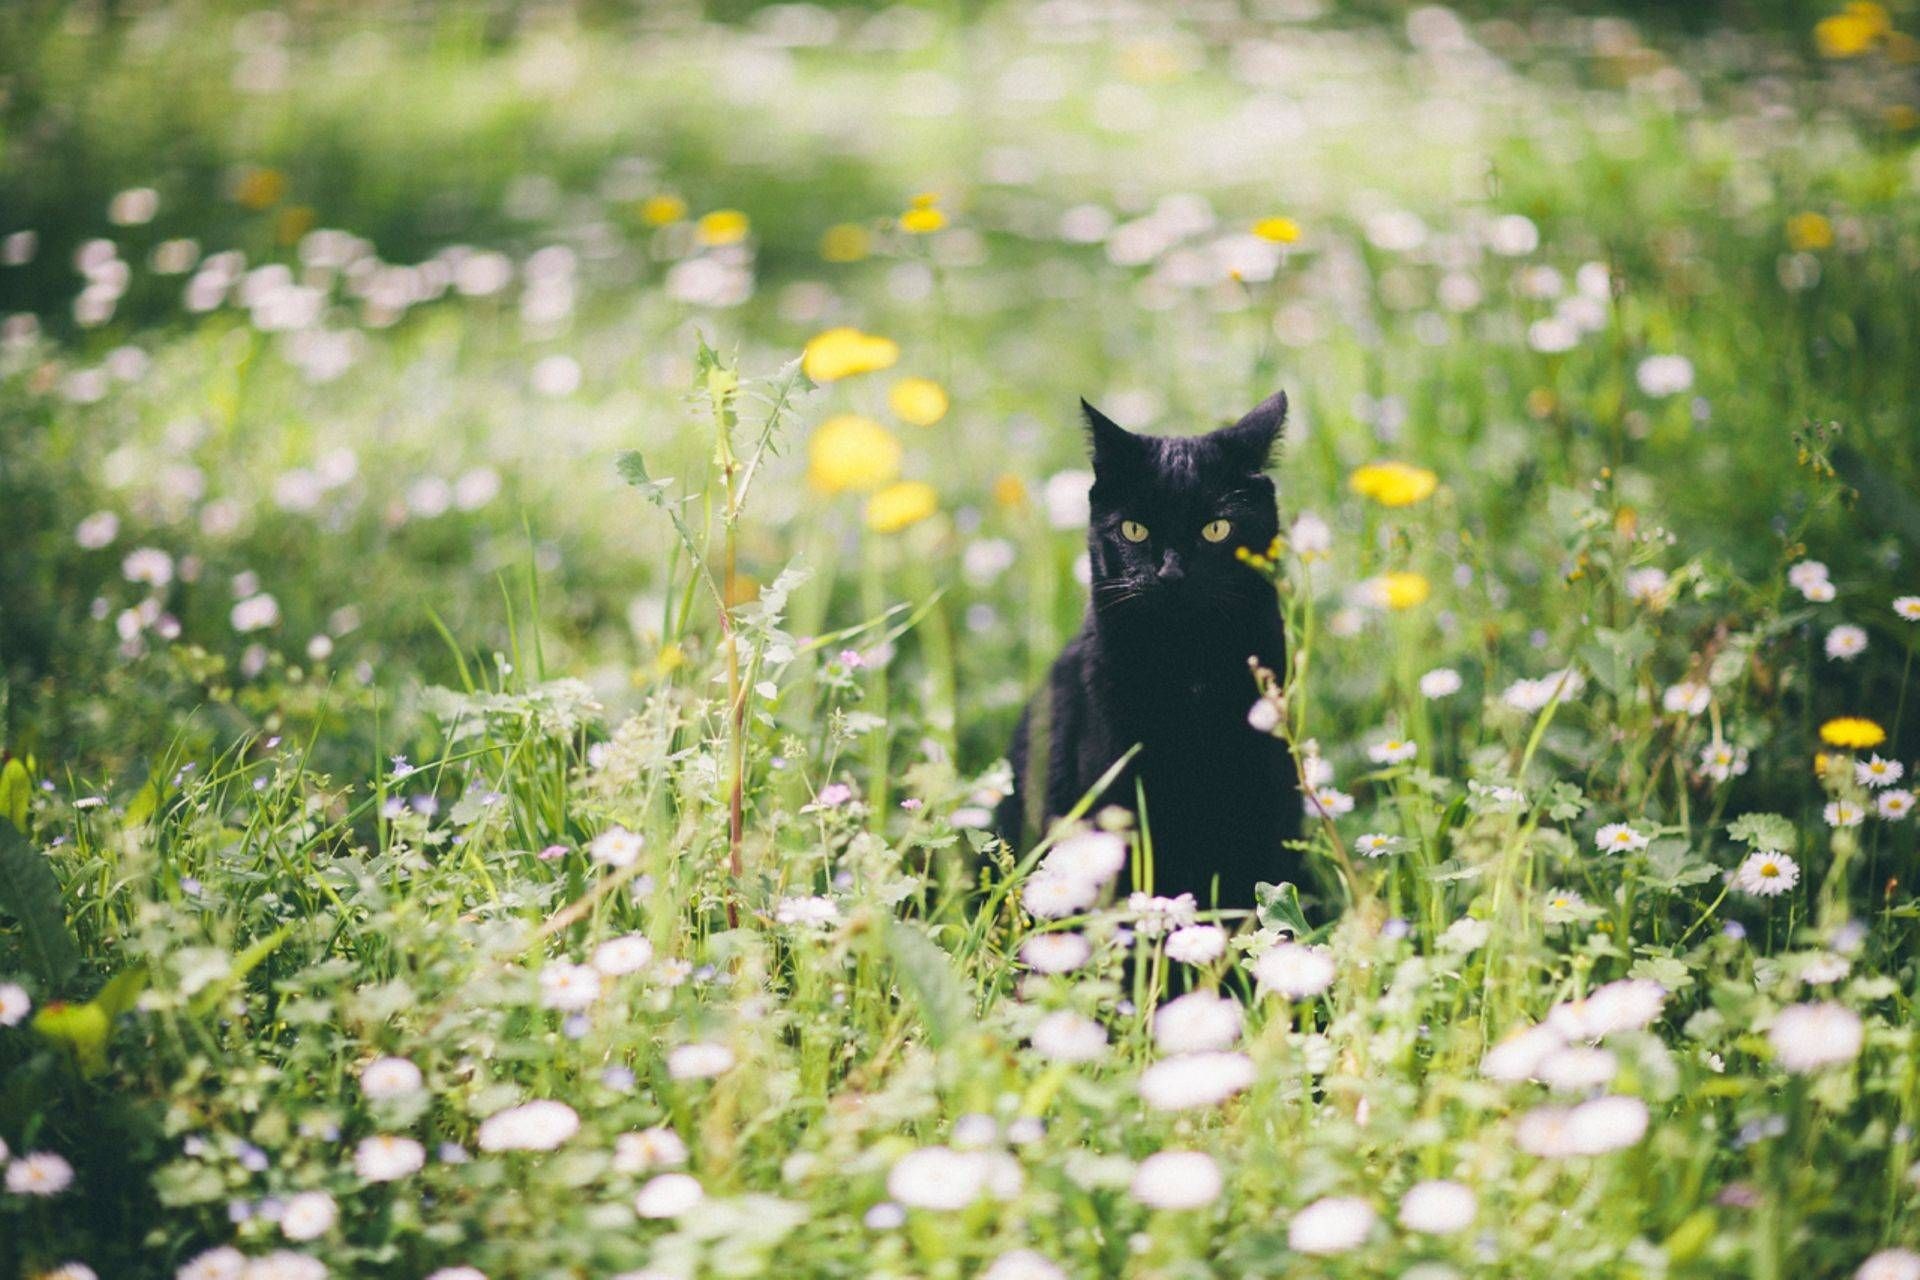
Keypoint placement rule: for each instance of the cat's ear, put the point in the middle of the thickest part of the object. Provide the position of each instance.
(1251, 441)
(1113, 447)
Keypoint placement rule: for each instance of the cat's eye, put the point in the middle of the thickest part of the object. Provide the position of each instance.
(1133, 531)
(1216, 530)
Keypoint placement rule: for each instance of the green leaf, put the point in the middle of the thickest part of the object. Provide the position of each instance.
(927, 973)
(1766, 832)
(30, 892)
(118, 996)
(1278, 907)
(80, 1029)
(16, 788)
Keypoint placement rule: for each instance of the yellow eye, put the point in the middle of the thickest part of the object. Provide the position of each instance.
(1216, 531)
(1133, 531)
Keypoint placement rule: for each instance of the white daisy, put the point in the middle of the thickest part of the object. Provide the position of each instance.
(617, 957)
(644, 1149)
(1193, 1080)
(390, 1078)
(1055, 952)
(1294, 971)
(1438, 1208)
(1331, 1225)
(1177, 1180)
(540, 1125)
(938, 1178)
(699, 1061)
(1806, 573)
(388, 1158)
(1809, 1037)
(1393, 751)
(1876, 772)
(1843, 813)
(308, 1215)
(1720, 761)
(1618, 837)
(1441, 682)
(1197, 944)
(1890, 1264)
(39, 1173)
(1375, 845)
(1065, 1036)
(1906, 607)
(668, 1196)
(1049, 896)
(1846, 642)
(1198, 1022)
(1687, 698)
(1328, 802)
(1023, 1264)
(15, 1005)
(569, 987)
(1893, 804)
(1766, 875)
(617, 847)
(1644, 586)
(221, 1263)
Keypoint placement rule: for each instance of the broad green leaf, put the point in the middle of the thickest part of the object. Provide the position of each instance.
(30, 893)
(927, 974)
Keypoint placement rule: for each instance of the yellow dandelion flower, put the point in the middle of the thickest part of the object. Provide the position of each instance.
(1809, 231)
(921, 401)
(848, 451)
(1278, 230)
(1009, 490)
(722, 226)
(922, 221)
(844, 352)
(1852, 733)
(1852, 31)
(901, 506)
(660, 210)
(260, 188)
(1404, 590)
(845, 242)
(1393, 484)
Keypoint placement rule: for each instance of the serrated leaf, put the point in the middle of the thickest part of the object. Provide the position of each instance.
(30, 893)
(1766, 832)
(1278, 907)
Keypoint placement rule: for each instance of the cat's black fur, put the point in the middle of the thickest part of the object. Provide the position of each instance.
(1161, 661)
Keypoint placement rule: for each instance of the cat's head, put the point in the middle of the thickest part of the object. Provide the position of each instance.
(1169, 513)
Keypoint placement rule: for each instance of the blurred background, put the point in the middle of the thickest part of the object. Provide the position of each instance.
(324, 322)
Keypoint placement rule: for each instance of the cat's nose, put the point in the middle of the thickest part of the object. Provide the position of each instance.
(1170, 569)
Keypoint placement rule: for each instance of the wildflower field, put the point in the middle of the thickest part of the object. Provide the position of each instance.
(525, 531)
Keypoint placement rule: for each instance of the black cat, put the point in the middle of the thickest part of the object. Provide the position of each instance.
(1161, 661)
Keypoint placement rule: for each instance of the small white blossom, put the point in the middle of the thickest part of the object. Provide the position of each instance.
(1393, 751)
(1875, 772)
(699, 1061)
(308, 1215)
(39, 1173)
(617, 847)
(1055, 952)
(568, 987)
(1197, 944)
(645, 1149)
(668, 1196)
(1332, 1225)
(388, 1158)
(1441, 682)
(1893, 804)
(1198, 1022)
(1618, 837)
(1810, 1037)
(617, 957)
(1177, 1180)
(390, 1078)
(15, 1004)
(812, 911)
(1846, 642)
(1293, 970)
(1905, 607)
(1438, 1208)
(540, 1125)
(1193, 1080)
(1687, 698)
(1843, 813)
(1766, 875)
(1065, 1036)
(938, 1178)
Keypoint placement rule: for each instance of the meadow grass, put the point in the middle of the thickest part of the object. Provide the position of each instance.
(524, 543)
